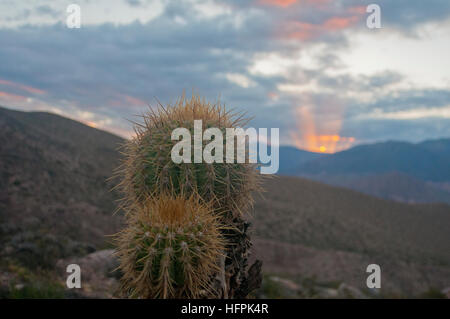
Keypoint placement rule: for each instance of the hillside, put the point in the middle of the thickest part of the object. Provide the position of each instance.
(308, 228)
(392, 185)
(56, 207)
(54, 198)
(400, 171)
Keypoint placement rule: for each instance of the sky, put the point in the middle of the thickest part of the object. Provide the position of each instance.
(312, 68)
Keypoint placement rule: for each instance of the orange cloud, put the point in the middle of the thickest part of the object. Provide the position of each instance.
(302, 30)
(91, 124)
(272, 96)
(127, 100)
(22, 87)
(287, 3)
(12, 97)
(278, 3)
(359, 10)
(338, 23)
(134, 101)
(305, 31)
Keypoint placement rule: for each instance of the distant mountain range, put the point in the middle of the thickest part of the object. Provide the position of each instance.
(292, 158)
(392, 170)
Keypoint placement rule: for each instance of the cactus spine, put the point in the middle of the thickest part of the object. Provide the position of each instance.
(158, 256)
(170, 249)
(149, 169)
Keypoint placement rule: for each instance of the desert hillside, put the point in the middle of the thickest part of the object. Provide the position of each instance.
(54, 197)
(306, 228)
(56, 206)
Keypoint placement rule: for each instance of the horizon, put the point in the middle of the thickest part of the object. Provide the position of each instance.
(281, 145)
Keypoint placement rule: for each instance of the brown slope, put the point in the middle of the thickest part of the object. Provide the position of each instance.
(54, 198)
(392, 185)
(308, 228)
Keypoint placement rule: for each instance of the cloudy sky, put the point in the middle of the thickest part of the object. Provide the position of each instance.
(310, 67)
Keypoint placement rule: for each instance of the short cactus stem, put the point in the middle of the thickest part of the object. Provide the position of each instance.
(170, 249)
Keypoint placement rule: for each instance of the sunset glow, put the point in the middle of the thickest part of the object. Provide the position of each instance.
(307, 137)
(324, 143)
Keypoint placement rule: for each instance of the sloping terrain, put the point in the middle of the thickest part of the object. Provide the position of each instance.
(56, 207)
(54, 197)
(393, 185)
(308, 228)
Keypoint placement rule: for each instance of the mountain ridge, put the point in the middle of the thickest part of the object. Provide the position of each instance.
(396, 170)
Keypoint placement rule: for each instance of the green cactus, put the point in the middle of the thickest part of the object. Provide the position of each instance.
(170, 249)
(175, 245)
(149, 170)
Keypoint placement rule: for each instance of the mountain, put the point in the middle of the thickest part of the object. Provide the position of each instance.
(56, 208)
(291, 158)
(391, 170)
(441, 146)
(424, 161)
(54, 197)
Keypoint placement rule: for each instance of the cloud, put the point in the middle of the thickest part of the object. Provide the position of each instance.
(22, 87)
(403, 100)
(409, 14)
(119, 71)
(270, 58)
(16, 14)
(414, 114)
(279, 3)
(413, 130)
(10, 97)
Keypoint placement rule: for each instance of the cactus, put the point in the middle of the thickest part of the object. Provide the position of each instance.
(149, 170)
(156, 189)
(170, 249)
